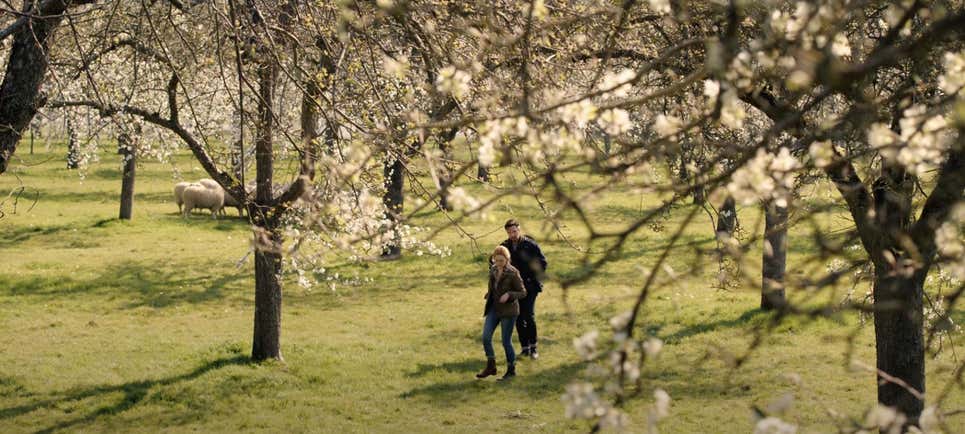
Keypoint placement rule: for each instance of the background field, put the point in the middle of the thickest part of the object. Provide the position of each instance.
(144, 326)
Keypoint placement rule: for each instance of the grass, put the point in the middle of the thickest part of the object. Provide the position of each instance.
(144, 326)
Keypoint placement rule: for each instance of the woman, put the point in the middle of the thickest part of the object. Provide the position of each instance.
(502, 308)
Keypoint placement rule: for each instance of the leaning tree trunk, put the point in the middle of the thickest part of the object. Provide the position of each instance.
(727, 217)
(266, 343)
(20, 95)
(774, 259)
(899, 341)
(393, 200)
(125, 147)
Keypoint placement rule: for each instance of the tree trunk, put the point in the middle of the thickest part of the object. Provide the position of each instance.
(774, 259)
(394, 202)
(268, 267)
(266, 343)
(125, 148)
(899, 342)
(445, 172)
(727, 217)
(20, 95)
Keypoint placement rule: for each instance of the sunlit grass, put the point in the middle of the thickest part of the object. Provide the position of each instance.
(144, 326)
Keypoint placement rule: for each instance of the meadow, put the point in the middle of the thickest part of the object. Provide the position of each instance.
(145, 325)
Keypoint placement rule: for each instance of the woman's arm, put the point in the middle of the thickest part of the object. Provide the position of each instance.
(519, 290)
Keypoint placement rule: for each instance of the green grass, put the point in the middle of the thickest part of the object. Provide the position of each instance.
(144, 326)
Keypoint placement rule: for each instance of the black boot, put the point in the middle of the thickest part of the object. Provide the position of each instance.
(490, 369)
(510, 372)
(525, 352)
(532, 353)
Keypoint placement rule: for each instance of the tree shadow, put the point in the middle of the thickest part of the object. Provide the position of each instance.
(697, 329)
(12, 237)
(134, 392)
(468, 365)
(146, 283)
(534, 384)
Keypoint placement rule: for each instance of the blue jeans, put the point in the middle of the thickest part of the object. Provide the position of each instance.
(489, 326)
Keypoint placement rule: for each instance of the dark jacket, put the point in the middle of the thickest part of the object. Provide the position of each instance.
(509, 282)
(529, 260)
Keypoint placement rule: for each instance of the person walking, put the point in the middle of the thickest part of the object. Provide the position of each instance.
(502, 307)
(529, 260)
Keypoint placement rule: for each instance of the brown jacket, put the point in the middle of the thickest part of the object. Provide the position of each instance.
(509, 282)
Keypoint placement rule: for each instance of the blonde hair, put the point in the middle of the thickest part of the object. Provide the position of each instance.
(501, 251)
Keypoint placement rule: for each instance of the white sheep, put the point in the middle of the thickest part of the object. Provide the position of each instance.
(199, 196)
(178, 193)
(210, 183)
(229, 200)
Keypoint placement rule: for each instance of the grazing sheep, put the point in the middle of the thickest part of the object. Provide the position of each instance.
(230, 200)
(210, 183)
(178, 192)
(199, 196)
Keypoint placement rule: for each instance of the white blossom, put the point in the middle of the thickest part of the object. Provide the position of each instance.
(660, 6)
(652, 346)
(773, 425)
(953, 79)
(393, 67)
(661, 404)
(620, 321)
(667, 126)
(462, 201)
(615, 121)
(618, 84)
(579, 114)
(885, 418)
(948, 240)
(798, 80)
(929, 420)
(487, 154)
(453, 81)
(840, 46)
(586, 345)
(614, 419)
(883, 140)
(711, 91)
(822, 153)
(732, 113)
(582, 402)
(798, 20)
(925, 143)
(765, 177)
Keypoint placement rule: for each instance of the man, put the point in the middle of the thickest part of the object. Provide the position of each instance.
(529, 260)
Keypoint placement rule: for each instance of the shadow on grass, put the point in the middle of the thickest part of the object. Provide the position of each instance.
(529, 381)
(468, 365)
(697, 329)
(148, 284)
(134, 392)
(12, 237)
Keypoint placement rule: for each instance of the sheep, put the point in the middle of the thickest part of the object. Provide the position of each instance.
(178, 192)
(199, 196)
(230, 200)
(210, 183)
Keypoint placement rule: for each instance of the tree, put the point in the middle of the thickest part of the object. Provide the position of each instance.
(27, 64)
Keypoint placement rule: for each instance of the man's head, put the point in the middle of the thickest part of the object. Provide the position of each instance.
(512, 230)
